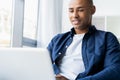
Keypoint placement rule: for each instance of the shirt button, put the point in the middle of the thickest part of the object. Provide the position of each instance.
(59, 53)
(66, 46)
(54, 63)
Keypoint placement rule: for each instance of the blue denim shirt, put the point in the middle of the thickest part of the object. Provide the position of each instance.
(100, 52)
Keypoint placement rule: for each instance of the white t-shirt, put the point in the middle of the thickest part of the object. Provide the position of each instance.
(72, 63)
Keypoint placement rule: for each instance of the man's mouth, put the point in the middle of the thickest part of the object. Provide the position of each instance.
(75, 22)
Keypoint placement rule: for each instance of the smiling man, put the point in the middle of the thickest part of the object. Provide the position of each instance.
(85, 53)
(80, 14)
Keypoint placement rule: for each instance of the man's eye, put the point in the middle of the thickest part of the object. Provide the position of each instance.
(70, 10)
(81, 10)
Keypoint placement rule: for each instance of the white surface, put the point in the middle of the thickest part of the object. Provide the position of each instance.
(107, 7)
(25, 64)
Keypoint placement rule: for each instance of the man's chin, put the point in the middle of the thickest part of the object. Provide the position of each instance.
(77, 27)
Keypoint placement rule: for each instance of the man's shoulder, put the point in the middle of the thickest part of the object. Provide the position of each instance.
(101, 31)
(63, 34)
(105, 33)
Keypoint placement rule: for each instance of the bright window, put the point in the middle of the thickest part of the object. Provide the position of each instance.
(30, 22)
(5, 22)
(30, 18)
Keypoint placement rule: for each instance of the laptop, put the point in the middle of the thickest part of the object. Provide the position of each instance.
(25, 64)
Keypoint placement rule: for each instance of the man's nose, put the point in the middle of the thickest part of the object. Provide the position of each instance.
(75, 14)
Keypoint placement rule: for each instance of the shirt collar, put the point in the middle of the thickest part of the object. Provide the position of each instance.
(92, 29)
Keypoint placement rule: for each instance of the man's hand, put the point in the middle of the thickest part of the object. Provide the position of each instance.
(60, 77)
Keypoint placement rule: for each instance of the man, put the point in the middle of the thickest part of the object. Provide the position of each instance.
(85, 53)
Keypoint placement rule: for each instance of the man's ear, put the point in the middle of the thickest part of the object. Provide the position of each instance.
(93, 9)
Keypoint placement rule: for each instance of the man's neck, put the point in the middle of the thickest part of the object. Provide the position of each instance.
(81, 31)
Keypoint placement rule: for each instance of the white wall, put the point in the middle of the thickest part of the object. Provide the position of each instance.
(107, 7)
(66, 25)
(109, 10)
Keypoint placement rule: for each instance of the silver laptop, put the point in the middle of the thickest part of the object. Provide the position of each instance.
(25, 64)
